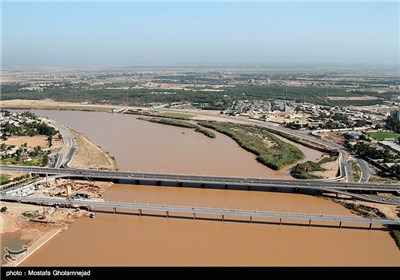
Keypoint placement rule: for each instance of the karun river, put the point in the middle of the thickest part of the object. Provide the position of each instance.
(130, 240)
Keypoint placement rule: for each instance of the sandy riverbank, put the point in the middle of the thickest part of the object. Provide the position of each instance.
(17, 229)
(49, 104)
(389, 211)
(91, 156)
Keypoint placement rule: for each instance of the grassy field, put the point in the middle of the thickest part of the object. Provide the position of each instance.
(304, 170)
(36, 161)
(382, 135)
(356, 171)
(181, 123)
(270, 150)
(172, 115)
(4, 179)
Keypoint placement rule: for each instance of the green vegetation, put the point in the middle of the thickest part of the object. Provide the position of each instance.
(381, 180)
(395, 233)
(269, 149)
(172, 115)
(356, 171)
(25, 128)
(363, 210)
(24, 156)
(393, 125)
(371, 152)
(304, 170)
(180, 123)
(382, 135)
(206, 132)
(4, 179)
(395, 169)
(217, 100)
(3, 209)
(28, 215)
(39, 160)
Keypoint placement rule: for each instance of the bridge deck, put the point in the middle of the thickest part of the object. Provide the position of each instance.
(201, 210)
(250, 182)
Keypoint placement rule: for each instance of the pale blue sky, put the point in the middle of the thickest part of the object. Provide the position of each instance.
(144, 34)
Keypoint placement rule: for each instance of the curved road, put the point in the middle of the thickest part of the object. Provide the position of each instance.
(70, 145)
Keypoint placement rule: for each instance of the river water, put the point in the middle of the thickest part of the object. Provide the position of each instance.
(128, 240)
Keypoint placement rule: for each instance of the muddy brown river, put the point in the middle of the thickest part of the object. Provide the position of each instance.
(132, 240)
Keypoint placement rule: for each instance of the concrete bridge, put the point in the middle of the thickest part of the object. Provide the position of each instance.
(196, 212)
(158, 179)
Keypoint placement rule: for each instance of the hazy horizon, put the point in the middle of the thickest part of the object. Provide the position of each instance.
(200, 34)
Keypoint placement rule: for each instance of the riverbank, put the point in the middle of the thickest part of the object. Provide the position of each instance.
(19, 230)
(370, 209)
(49, 104)
(180, 123)
(90, 156)
(33, 225)
(270, 151)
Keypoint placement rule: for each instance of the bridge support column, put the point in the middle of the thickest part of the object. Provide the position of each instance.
(280, 221)
(248, 188)
(167, 214)
(370, 226)
(340, 225)
(136, 182)
(337, 194)
(115, 210)
(225, 186)
(158, 183)
(140, 212)
(251, 219)
(223, 218)
(194, 216)
(179, 184)
(202, 185)
(309, 223)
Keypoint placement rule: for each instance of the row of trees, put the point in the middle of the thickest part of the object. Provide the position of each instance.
(371, 152)
(27, 128)
(393, 125)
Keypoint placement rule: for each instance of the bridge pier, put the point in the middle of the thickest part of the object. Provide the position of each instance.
(225, 186)
(248, 188)
(179, 184)
(158, 183)
(370, 226)
(194, 216)
(280, 221)
(202, 185)
(223, 218)
(167, 214)
(115, 210)
(140, 212)
(309, 223)
(251, 219)
(340, 224)
(337, 194)
(136, 182)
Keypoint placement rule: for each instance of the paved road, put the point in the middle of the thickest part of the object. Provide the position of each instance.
(366, 170)
(70, 145)
(175, 178)
(168, 209)
(349, 169)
